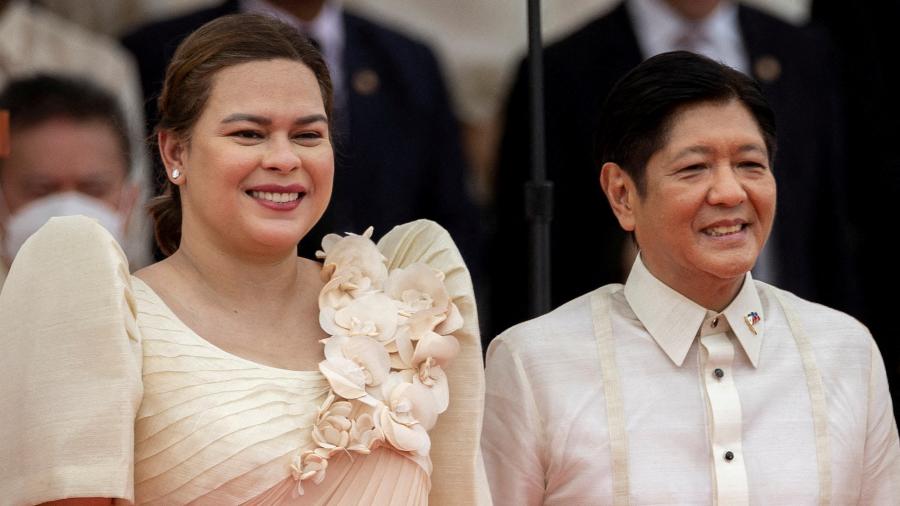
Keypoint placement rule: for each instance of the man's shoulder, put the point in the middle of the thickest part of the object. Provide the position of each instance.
(383, 34)
(569, 324)
(176, 28)
(817, 319)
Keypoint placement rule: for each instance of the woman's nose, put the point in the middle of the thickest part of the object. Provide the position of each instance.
(281, 155)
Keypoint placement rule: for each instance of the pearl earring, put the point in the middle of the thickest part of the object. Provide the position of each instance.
(176, 173)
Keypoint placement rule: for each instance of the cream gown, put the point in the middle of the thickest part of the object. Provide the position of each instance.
(104, 392)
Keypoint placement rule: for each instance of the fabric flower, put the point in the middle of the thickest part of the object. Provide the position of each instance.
(310, 465)
(432, 376)
(373, 315)
(423, 300)
(353, 251)
(390, 338)
(336, 430)
(365, 352)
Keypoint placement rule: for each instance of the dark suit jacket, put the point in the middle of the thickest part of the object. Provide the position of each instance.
(397, 148)
(812, 240)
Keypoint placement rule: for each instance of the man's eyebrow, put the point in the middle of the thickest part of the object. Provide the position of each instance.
(753, 147)
(703, 150)
(262, 120)
(691, 150)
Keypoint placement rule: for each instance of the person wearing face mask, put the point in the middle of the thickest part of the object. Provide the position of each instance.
(69, 156)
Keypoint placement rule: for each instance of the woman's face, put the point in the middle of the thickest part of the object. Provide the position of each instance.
(258, 168)
(709, 201)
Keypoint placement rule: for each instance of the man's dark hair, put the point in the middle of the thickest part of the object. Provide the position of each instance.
(635, 120)
(34, 100)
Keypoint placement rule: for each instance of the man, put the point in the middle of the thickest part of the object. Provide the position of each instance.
(692, 383)
(810, 251)
(398, 155)
(69, 155)
(35, 41)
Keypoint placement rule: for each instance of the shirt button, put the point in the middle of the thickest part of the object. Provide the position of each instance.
(719, 373)
(729, 456)
(715, 322)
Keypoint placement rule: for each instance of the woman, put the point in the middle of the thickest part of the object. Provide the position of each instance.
(109, 390)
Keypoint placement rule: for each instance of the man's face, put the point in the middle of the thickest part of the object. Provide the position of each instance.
(64, 155)
(709, 201)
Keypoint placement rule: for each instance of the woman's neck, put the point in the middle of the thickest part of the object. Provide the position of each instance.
(239, 283)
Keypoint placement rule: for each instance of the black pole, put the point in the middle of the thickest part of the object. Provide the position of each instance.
(538, 191)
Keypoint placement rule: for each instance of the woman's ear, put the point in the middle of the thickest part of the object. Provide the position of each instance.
(621, 192)
(172, 150)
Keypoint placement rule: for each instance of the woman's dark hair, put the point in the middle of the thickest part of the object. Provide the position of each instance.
(33, 100)
(634, 122)
(219, 44)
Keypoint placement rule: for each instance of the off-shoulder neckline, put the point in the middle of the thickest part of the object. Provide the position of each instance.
(184, 326)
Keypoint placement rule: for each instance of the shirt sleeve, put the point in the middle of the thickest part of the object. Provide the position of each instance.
(458, 476)
(513, 433)
(70, 367)
(881, 472)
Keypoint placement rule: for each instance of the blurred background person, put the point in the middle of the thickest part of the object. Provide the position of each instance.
(398, 154)
(812, 245)
(69, 155)
(35, 40)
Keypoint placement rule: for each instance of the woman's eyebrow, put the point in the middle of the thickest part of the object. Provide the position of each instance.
(262, 120)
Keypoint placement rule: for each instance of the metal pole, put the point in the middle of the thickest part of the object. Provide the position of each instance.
(538, 191)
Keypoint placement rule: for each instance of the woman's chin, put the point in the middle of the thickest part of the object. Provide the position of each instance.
(276, 240)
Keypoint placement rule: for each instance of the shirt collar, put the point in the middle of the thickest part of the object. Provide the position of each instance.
(658, 26)
(674, 321)
(327, 28)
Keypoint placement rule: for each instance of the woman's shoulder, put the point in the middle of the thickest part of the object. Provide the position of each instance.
(70, 240)
(416, 241)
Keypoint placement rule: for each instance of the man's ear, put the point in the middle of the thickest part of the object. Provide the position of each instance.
(621, 192)
(172, 150)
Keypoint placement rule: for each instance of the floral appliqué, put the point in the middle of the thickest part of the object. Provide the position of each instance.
(390, 338)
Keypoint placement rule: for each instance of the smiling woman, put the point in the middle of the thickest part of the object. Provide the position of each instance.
(233, 371)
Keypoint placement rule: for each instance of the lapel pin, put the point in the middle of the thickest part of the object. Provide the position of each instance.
(752, 319)
(767, 68)
(365, 82)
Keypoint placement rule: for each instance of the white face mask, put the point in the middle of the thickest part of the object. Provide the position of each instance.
(27, 220)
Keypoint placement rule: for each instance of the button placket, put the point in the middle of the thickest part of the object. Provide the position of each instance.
(725, 414)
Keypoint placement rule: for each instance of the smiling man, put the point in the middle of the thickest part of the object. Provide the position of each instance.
(692, 383)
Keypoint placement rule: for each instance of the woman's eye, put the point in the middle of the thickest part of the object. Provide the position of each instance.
(247, 134)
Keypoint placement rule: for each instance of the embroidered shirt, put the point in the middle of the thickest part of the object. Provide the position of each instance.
(749, 405)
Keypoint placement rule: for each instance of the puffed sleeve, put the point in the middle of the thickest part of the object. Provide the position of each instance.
(70, 367)
(459, 476)
(512, 429)
(881, 471)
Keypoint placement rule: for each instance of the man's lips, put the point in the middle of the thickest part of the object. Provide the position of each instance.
(725, 228)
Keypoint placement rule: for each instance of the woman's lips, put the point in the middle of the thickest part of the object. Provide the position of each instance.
(278, 197)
